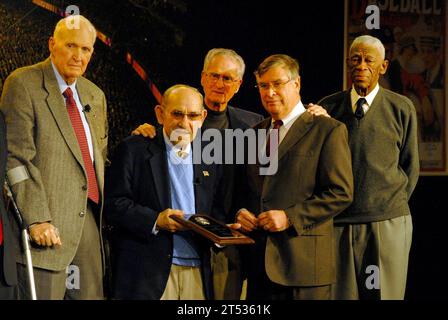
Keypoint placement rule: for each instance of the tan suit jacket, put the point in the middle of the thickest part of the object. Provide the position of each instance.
(41, 138)
(314, 182)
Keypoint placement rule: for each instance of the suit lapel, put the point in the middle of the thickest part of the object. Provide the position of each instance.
(299, 128)
(56, 104)
(200, 181)
(159, 168)
(235, 122)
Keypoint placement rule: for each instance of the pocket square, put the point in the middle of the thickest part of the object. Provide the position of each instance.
(205, 173)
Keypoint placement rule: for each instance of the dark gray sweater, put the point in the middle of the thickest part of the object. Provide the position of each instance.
(384, 155)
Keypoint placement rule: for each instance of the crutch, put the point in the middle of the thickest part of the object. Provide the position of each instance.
(25, 240)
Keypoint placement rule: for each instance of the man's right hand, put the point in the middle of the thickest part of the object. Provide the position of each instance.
(145, 130)
(45, 234)
(317, 110)
(247, 220)
(166, 223)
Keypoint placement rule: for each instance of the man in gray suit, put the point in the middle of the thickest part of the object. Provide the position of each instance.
(290, 213)
(373, 236)
(57, 142)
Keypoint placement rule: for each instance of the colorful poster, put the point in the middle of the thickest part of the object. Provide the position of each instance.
(413, 33)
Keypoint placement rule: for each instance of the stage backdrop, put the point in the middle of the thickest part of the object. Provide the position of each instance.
(414, 34)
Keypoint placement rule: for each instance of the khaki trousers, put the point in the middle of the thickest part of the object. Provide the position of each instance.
(372, 259)
(184, 283)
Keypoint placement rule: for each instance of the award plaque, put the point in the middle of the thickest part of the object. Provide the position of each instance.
(214, 230)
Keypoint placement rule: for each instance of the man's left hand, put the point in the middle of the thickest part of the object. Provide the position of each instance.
(273, 221)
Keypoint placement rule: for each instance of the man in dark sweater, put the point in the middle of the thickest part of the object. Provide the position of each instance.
(373, 236)
(221, 78)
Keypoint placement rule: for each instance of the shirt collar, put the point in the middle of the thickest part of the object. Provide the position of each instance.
(294, 114)
(61, 83)
(170, 147)
(369, 98)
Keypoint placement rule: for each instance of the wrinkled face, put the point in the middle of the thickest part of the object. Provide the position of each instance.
(181, 115)
(278, 92)
(220, 82)
(365, 65)
(70, 51)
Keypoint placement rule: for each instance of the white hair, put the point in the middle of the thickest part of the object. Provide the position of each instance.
(225, 52)
(371, 41)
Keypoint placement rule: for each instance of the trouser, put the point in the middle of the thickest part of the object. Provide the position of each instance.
(83, 278)
(184, 283)
(227, 273)
(372, 259)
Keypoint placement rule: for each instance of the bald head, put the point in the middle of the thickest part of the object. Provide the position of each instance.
(181, 89)
(71, 46)
(74, 22)
(182, 112)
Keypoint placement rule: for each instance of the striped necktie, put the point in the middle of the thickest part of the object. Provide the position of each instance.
(75, 118)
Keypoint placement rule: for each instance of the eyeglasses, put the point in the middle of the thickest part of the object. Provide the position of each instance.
(179, 115)
(276, 85)
(214, 77)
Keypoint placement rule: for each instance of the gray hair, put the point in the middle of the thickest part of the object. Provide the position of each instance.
(228, 53)
(63, 23)
(279, 60)
(370, 41)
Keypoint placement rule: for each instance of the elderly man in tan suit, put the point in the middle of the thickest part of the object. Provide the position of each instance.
(290, 213)
(57, 141)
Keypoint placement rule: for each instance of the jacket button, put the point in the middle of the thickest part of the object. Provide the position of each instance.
(82, 214)
(84, 188)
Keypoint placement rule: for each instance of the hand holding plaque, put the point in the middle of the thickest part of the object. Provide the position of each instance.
(214, 230)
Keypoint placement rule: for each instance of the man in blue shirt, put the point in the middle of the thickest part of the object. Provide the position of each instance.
(150, 181)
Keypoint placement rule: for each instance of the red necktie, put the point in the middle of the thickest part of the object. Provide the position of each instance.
(75, 118)
(277, 125)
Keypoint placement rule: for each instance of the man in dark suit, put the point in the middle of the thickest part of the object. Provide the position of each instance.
(8, 272)
(373, 236)
(290, 212)
(221, 78)
(151, 180)
(57, 144)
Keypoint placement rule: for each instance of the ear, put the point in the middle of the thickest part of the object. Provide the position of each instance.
(347, 62)
(51, 43)
(384, 66)
(238, 85)
(297, 83)
(159, 114)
